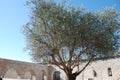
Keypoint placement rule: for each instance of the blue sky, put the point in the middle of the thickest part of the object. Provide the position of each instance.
(14, 14)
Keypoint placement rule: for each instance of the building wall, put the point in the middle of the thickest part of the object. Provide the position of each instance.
(101, 69)
(24, 70)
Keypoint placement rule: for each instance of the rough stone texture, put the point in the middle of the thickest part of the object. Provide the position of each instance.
(101, 68)
(23, 70)
(33, 71)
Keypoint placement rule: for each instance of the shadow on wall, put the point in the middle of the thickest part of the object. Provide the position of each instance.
(56, 75)
(118, 79)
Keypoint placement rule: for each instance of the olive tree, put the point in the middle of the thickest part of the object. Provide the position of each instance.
(66, 36)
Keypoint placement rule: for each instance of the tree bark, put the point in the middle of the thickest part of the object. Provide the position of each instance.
(72, 76)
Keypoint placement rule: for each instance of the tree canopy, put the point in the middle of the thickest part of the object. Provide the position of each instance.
(65, 36)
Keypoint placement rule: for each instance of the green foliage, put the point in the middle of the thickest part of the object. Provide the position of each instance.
(63, 35)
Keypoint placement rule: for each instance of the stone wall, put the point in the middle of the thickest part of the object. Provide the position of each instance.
(101, 68)
(22, 70)
(105, 70)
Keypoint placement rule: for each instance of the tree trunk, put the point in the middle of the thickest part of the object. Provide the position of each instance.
(72, 76)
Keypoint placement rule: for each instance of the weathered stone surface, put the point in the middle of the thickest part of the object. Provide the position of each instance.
(23, 70)
(101, 69)
(33, 71)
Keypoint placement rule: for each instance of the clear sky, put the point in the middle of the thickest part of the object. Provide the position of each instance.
(14, 14)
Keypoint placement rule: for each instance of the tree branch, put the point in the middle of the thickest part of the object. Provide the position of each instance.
(78, 72)
(74, 62)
